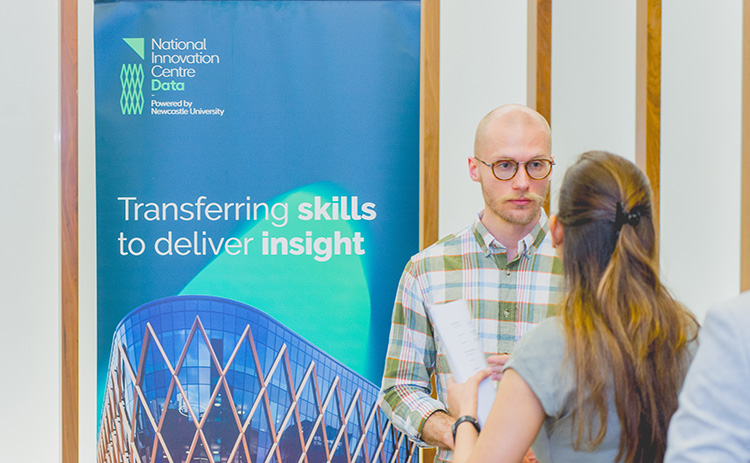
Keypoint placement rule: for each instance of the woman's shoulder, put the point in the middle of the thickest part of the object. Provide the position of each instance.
(539, 359)
(545, 342)
(548, 331)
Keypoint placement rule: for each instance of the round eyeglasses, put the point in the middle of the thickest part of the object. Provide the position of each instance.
(505, 169)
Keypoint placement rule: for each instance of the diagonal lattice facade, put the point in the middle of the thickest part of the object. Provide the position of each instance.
(204, 379)
(131, 79)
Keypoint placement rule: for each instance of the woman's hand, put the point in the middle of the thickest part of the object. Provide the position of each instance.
(462, 397)
(514, 420)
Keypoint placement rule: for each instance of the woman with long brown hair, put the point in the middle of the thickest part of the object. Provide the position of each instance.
(599, 381)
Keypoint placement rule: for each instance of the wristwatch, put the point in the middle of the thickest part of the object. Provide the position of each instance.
(468, 418)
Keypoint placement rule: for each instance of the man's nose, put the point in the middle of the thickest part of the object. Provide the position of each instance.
(521, 180)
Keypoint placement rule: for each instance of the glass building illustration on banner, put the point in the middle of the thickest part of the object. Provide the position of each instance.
(206, 379)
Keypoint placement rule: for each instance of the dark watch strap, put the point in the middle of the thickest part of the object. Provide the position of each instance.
(463, 419)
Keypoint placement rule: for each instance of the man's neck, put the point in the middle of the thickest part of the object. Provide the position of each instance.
(508, 234)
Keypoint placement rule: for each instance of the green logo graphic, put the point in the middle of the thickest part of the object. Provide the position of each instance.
(131, 78)
(137, 45)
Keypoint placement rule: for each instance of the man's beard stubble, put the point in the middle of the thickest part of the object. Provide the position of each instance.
(531, 213)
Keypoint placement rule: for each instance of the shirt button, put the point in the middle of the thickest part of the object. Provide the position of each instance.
(507, 312)
(507, 272)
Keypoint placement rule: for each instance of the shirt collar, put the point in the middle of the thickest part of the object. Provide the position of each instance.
(528, 244)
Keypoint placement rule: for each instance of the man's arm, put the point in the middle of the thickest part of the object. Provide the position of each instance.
(409, 364)
(712, 422)
(437, 430)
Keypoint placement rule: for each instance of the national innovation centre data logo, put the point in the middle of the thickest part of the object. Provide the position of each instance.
(173, 68)
(131, 78)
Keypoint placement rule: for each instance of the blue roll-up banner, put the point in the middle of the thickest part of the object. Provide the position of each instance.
(263, 152)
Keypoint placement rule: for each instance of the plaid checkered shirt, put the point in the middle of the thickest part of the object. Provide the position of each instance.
(505, 299)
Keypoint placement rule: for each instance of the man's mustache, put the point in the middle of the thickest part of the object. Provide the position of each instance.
(530, 196)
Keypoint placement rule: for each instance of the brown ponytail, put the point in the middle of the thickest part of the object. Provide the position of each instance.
(621, 324)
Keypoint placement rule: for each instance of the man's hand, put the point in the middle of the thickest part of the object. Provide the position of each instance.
(437, 430)
(496, 364)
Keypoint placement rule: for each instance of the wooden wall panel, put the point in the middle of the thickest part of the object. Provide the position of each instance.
(429, 122)
(69, 226)
(540, 57)
(745, 199)
(429, 128)
(648, 95)
(539, 62)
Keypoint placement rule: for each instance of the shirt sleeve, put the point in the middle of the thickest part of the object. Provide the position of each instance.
(538, 359)
(410, 362)
(712, 422)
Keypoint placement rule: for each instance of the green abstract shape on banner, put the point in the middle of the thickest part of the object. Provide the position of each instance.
(138, 46)
(326, 301)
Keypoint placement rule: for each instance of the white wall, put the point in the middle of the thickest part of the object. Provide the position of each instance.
(30, 233)
(701, 149)
(593, 82)
(482, 66)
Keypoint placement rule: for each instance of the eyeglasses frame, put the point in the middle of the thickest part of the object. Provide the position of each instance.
(517, 163)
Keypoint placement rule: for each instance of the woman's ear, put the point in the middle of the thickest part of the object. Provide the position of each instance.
(556, 231)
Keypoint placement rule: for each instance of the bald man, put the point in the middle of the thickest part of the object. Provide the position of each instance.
(503, 265)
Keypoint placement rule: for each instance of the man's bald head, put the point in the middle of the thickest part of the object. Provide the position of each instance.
(513, 203)
(506, 118)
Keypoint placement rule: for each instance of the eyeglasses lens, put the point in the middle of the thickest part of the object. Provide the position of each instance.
(538, 169)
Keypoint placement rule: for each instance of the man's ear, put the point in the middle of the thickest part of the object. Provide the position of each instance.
(556, 231)
(473, 169)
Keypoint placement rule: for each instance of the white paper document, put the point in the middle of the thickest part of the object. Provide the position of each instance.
(455, 329)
